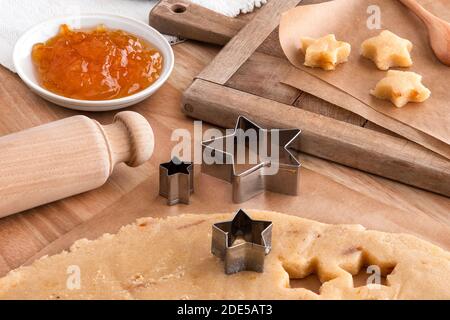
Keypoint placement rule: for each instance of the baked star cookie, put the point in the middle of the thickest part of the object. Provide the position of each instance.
(171, 259)
(401, 87)
(388, 50)
(325, 52)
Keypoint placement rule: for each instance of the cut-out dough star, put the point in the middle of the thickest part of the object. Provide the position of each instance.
(255, 179)
(388, 50)
(242, 242)
(401, 87)
(325, 52)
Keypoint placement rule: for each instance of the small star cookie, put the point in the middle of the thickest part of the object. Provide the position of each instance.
(325, 52)
(388, 50)
(401, 87)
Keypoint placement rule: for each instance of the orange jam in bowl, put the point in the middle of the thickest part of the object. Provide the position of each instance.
(98, 64)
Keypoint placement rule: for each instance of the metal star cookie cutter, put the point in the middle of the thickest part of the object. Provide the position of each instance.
(242, 243)
(176, 181)
(254, 181)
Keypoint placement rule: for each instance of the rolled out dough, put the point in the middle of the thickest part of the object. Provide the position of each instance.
(171, 259)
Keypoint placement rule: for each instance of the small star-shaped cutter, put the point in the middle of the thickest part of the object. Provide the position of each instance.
(253, 181)
(176, 181)
(242, 243)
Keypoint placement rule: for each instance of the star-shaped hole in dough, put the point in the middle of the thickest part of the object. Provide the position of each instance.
(401, 87)
(388, 50)
(325, 52)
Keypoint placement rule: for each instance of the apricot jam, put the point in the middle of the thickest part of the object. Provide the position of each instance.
(98, 64)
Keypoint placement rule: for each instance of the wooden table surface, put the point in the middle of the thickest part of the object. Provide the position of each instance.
(329, 192)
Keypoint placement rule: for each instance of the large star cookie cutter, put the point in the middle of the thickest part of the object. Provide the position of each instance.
(260, 176)
(242, 243)
(176, 181)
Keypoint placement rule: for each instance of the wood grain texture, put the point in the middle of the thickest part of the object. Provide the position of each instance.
(438, 30)
(328, 192)
(324, 137)
(374, 126)
(67, 157)
(318, 88)
(241, 47)
(24, 234)
(262, 72)
(313, 104)
(261, 75)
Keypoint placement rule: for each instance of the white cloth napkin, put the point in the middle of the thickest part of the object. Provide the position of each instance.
(16, 16)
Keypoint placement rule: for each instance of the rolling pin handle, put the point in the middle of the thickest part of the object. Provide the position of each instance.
(130, 139)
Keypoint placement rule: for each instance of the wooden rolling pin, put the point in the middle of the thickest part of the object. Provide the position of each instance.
(67, 157)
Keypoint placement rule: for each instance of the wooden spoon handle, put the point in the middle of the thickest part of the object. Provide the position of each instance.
(420, 11)
(190, 21)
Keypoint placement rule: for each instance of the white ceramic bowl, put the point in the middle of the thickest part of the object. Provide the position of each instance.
(48, 29)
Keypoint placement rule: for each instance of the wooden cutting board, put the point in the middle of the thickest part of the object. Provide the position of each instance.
(244, 79)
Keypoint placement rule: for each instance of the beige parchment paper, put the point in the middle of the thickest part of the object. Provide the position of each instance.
(347, 19)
